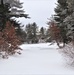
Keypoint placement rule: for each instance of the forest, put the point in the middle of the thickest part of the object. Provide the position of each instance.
(13, 34)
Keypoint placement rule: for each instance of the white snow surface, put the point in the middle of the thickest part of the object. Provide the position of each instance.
(36, 59)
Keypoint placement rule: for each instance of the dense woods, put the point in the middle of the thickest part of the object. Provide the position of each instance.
(12, 33)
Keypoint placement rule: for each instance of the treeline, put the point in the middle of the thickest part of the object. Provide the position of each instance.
(31, 33)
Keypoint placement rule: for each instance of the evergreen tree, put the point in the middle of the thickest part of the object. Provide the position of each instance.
(16, 8)
(69, 20)
(31, 30)
(6, 14)
(34, 29)
(28, 31)
(21, 34)
(61, 13)
(4, 10)
(42, 32)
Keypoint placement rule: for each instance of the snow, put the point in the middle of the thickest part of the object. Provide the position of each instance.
(36, 59)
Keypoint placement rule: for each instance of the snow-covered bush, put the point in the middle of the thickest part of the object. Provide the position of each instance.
(9, 41)
(68, 53)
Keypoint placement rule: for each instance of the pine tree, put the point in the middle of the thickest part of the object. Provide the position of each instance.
(31, 30)
(42, 32)
(16, 8)
(34, 29)
(6, 14)
(61, 13)
(21, 34)
(69, 20)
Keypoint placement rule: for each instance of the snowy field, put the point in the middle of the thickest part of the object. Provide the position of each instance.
(36, 59)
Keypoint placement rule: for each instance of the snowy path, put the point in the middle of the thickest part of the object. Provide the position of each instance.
(36, 59)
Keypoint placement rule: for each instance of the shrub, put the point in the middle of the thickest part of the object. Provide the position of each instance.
(9, 42)
(68, 53)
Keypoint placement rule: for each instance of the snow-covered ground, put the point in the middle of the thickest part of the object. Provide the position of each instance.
(36, 59)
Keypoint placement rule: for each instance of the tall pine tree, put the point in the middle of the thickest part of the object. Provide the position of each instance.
(16, 8)
(61, 13)
(69, 20)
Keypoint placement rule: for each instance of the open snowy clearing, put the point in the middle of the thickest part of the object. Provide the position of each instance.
(36, 59)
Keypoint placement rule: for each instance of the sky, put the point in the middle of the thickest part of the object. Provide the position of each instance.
(38, 10)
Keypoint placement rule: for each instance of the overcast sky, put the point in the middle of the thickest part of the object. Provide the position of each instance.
(38, 10)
